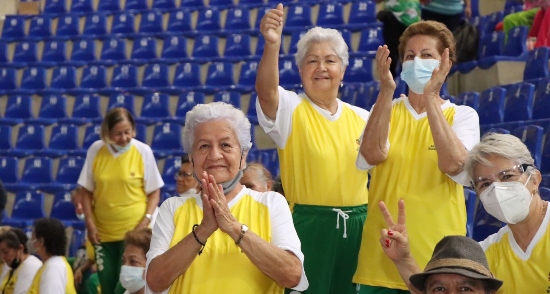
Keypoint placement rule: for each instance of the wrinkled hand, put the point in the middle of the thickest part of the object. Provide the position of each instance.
(433, 87)
(226, 221)
(144, 223)
(383, 61)
(271, 25)
(93, 235)
(468, 11)
(209, 221)
(394, 238)
(77, 277)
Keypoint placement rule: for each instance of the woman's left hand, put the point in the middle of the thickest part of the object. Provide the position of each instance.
(439, 75)
(226, 220)
(144, 223)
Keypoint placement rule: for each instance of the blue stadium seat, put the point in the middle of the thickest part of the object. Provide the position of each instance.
(230, 97)
(109, 5)
(293, 46)
(348, 93)
(544, 193)
(122, 100)
(515, 45)
(247, 77)
(187, 77)
(95, 25)
(491, 105)
(155, 76)
(29, 139)
(174, 50)
(367, 94)
(138, 5)
(143, 50)
(68, 172)
(205, 48)
(93, 80)
(369, 41)
(18, 109)
(237, 21)
(55, 52)
(25, 52)
(9, 171)
(5, 139)
(545, 160)
(151, 24)
(40, 27)
(63, 208)
(8, 81)
(78, 239)
(164, 4)
(81, 6)
(28, 206)
(63, 79)
(124, 77)
(498, 131)
(91, 134)
(491, 48)
(172, 165)
(32, 80)
(53, 108)
(155, 108)
(289, 75)
(298, 18)
(37, 173)
(359, 70)
(531, 136)
(541, 104)
(4, 55)
(251, 110)
(219, 77)
(536, 65)
(83, 52)
(220, 4)
(113, 51)
(85, 110)
(468, 98)
(208, 21)
(123, 23)
(519, 102)
(68, 26)
(237, 47)
(192, 3)
(13, 28)
(55, 6)
(361, 15)
(167, 140)
(471, 202)
(484, 224)
(141, 132)
(331, 15)
(63, 140)
(187, 101)
(179, 22)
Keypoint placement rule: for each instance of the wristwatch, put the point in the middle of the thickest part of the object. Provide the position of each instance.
(149, 216)
(244, 229)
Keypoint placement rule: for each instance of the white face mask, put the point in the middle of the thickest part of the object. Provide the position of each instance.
(416, 73)
(121, 149)
(507, 201)
(131, 278)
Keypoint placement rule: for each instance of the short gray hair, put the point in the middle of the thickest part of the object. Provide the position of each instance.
(502, 145)
(320, 35)
(202, 113)
(263, 173)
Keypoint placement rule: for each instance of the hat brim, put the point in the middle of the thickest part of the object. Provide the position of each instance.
(419, 280)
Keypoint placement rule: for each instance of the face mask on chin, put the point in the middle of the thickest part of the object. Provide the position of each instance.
(120, 149)
(507, 201)
(131, 278)
(416, 73)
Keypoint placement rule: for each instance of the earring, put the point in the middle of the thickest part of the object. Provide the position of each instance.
(535, 191)
(301, 85)
(341, 84)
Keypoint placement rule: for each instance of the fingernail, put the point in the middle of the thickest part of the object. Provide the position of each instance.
(390, 233)
(387, 243)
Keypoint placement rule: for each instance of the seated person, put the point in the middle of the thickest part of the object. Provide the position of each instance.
(136, 245)
(186, 184)
(257, 177)
(23, 266)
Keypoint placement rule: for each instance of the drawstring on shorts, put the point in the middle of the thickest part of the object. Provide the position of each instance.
(345, 216)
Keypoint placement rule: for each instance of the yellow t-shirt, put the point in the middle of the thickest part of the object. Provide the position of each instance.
(55, 276)
(522, 272)
(435, 203)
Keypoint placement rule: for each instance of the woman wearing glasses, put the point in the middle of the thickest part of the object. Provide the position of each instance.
(186, 185)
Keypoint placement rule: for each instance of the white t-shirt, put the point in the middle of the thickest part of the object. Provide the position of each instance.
(54, 276)
(29, 267)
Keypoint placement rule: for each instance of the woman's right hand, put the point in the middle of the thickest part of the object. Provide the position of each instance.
(77, 277)
(394, 239)
(209, 221)
(93, 235)
(271, 25)
(383, 61)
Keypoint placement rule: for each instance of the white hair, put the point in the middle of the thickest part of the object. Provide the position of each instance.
(202, 113)
(501, 145)
(320, 35)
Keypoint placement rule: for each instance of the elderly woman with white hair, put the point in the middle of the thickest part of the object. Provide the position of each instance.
(228, 239)
(317, 139)
(257, 177)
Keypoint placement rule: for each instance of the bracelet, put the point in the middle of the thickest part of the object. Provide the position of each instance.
(196, 238)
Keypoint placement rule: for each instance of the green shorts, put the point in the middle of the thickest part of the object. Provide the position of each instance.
(331, 238)
(363, 289)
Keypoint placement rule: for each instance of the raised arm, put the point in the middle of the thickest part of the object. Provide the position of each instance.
(451, 152)
(374, 145)
(267, 79)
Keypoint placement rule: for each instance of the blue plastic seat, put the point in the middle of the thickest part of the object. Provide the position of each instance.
(93, 80)
(136, 5)
(9, 171)
(13, 28)
(205, 48)
(109, 5)
(4, 61)
(487, 25)
(68, 171)
(113, 51)
(54, 52)
(468, 98)
(155, 108)
(95, 25)
(151, 23)
(78, 239)
(53, 108)
(484, 224)
(167, 140)
(32, 80)
(123, 23)
(491, 105)
(63, 79)
(187, 101)
(63, 140)
(247, 77)
(359, 70)
(348, 93)
(85, 110)
(5, 139)
(25, 52)
(83, 52)
(369, 41)
(544, 193)
(40, 27)
(361, 15)
(172, 165)
(141, 132)
(208, 21)
(289, 76)
(187, 77)
(237, 47)
(8, 81)
(37, 172)
(531, 136)
(519, 102)
(515, 45)
(174, 50)
(91, 134)
(124, 77)
(293, 46)
(471, 202)
(28, 206)
(545, 161)
(498, 131)
(331, 15)
(251, 113)
(192, 3)
(366, 94)
(18, 108)
(68, 26)
(122, 100)
(490, 46)
(298, 18)
(220, 3)
(55, 6)
(63, 208)
(164, 4)
(238, 20)
(229, 97)
(541, 104)
(155, 76)
(143, 50)
(179, 21)
(81, 6)
(536, 65)
(219, 77)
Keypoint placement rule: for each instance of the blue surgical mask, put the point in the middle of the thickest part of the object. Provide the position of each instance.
(131, 278)
(121, 149)
(416, 73)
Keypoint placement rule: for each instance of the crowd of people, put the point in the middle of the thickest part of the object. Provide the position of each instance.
(346, 172)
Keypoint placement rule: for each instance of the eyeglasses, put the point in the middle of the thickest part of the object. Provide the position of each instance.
(182, 174)
(508, 175)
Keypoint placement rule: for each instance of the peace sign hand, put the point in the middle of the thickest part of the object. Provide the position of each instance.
(394, 238)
